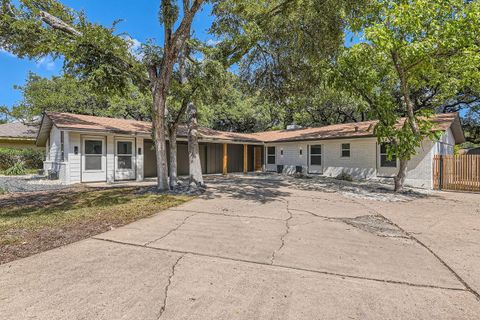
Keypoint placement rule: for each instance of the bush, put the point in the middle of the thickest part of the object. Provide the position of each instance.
(3, 190)
(344, 176)
(31, 159)
(16, 170)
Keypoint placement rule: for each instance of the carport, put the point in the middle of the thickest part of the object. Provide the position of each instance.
(216, 158)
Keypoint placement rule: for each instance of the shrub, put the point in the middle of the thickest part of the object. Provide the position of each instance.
(3, 190)
(344, 176)
(16, 170)
(32, 159)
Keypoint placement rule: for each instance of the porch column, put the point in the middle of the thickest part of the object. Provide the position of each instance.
(225, 159)
(245, 158)
(110, 148)
(139, 159)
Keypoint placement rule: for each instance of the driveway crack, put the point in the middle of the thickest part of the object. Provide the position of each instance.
(287, 230)
(169, 232)
(167, 287)
(413, 238)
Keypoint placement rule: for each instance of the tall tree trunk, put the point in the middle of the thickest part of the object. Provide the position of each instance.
(159, 134)
(399, 179)
(195, 167)
(172, 168)
(410, 121)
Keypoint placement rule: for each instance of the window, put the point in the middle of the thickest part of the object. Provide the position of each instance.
(124, 154)
(62, 146)
(93, 154)
(316, 155)
(384, 161)
(271, 155)
(345, 150)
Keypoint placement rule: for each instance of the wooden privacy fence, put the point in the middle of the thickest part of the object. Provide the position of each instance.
(456, 172)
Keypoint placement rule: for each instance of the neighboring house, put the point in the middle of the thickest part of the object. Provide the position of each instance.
(90, 149)
(474, 151)
(17, 135)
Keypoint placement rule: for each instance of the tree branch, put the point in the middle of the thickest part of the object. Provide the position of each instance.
(58, 24)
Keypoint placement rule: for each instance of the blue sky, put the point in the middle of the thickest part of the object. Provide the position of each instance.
(140, 22)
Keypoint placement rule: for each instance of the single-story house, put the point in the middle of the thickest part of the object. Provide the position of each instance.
(91, 149)
(17, 135)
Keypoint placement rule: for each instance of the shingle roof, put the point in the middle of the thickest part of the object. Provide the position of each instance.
(348, 130)
(18, 130)
(92, 123)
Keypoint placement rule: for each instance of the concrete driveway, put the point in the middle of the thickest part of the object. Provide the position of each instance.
(263, 248)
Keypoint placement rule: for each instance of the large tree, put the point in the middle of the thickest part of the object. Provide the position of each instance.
(99, 56)
(417, 56)
(68, 94)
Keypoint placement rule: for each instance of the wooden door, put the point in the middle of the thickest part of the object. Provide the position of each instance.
(257, 156)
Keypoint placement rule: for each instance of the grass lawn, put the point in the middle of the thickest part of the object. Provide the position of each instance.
(31, 223)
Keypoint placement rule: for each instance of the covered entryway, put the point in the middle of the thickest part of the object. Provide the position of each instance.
(215, 158)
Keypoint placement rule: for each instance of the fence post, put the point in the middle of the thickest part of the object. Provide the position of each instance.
(440, 176)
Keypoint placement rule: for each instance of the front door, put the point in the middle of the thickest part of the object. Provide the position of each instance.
(124, 159)
(94, 162)
(257, 156)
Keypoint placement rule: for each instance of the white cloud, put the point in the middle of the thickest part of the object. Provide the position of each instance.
(5, 52)
(135, 46)
(212, 42)
(47, 63)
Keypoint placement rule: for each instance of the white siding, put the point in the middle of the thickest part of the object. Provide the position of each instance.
(361, 164)
(110, 159)
(139, 158)
(54, 157)
(74, 159)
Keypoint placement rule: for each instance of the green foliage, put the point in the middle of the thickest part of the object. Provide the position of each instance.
(93, 53)
(425, 50)
(68, 94)
(30, 158)
(17, 169)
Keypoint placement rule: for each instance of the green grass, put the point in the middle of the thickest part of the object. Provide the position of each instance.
(27, 171)
(116, 206)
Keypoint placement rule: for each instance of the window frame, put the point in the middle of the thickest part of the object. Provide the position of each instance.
(385, 154)
(343, 149)
(316, 155)
(98, 155)
(271, 155)
(131, 154)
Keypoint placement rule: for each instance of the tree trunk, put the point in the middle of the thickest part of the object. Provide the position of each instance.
(159, 134)
(400, 177)
(195, 165)
(172, 169)
(411, 120)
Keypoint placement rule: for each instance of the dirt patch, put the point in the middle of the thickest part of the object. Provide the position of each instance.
(34, 222)
(377, 225)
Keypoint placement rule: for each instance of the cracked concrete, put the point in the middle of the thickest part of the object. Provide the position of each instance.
(257, 248)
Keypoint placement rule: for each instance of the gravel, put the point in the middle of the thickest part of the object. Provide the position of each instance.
(29, 183)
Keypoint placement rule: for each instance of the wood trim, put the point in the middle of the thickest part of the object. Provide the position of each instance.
(245, 158)
(225, 158)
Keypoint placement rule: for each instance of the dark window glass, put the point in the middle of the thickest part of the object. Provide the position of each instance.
(93, 147)
(346, 150)
(271, 159)
(271, 150)
(316, 160)
(384, 161)
(124, 147)
(316, 149)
